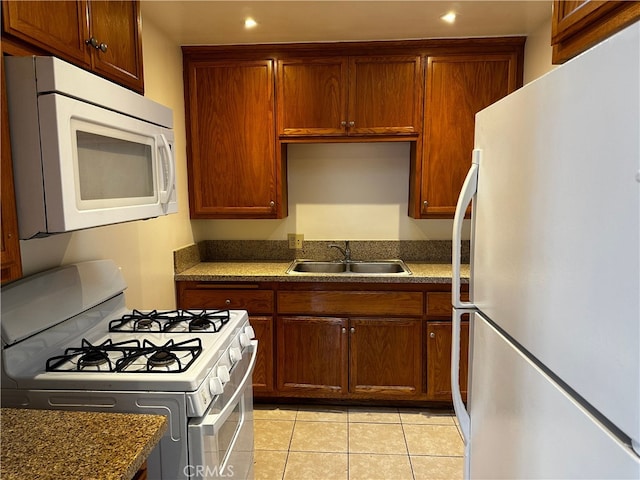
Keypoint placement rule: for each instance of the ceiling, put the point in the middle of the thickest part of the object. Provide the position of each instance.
(222, 22)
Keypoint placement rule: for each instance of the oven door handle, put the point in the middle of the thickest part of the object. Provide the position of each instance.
(211, 428)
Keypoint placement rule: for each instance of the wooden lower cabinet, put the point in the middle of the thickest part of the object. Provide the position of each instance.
(355, 357)
(385, 357)
(312, 356)
(370, 342)
(439, 360)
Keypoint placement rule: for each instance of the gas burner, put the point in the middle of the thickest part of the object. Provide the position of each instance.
(92, 357)
(173, 321)
(171, 357)
(162, 358)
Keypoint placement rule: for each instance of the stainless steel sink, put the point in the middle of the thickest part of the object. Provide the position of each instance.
(377, 267)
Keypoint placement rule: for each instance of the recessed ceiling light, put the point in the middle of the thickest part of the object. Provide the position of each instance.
(250, 23)
(449, 17)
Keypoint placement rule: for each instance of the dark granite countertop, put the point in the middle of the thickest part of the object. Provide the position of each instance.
(56, 444)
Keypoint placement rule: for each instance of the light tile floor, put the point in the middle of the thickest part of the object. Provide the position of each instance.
(355, 443)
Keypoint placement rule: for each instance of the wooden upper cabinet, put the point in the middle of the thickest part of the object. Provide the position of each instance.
(59, 27)
(231, 155)
(357, 95)
(457, 87)
(118, 26)
(101, 36)
(577, 25)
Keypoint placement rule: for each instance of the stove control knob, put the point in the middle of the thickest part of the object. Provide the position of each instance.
(235, 355)
(245, 341)
(250, 332)
(223, 374)
(215, 386)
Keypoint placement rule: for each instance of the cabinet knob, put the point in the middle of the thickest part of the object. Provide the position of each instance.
(344, 330)
(353, 330)
(343, 123)
(102, 47)
(351, 124)
(93, 42)
(432, 335)
(227, 301)
(425, 203)
(272, 204)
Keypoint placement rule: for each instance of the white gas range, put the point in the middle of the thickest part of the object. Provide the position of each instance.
(69, 342)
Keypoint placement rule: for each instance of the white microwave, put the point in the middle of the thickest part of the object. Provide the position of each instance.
(86, 152)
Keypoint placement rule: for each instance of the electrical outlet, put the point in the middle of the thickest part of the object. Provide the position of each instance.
(295, 241)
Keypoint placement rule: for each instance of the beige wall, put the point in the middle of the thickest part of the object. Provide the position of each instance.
(537, 53)
(142, 249)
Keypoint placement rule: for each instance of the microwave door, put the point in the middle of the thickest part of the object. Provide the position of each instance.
(100, 167)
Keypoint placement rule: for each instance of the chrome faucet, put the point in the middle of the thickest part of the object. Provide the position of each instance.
(346, 251)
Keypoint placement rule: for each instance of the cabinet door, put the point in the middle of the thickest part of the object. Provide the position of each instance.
(11, 266)
(312, 96)
(263, 372)
(385, 357)
(60, 27)
(439, 360)
(577, 25)
(457, 87)
(312, 356)
(231, 138)
(117, 25)
(385, 95)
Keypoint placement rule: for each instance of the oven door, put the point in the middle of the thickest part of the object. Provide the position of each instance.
(221, 441)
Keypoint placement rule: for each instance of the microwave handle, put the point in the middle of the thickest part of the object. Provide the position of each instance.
(163, 145)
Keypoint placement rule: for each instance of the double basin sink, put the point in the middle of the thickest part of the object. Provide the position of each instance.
(377, 267)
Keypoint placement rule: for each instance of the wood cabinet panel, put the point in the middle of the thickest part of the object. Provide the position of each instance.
(263, 371)
(457, 87)
(312, 98)
(578, 25)
(10, 261)
(385, 95)
(352, 303)
(118, 24)
(357, 95)
(312, 355)
(254, 301)
(231, 131)
(439, 303)
(439, 360)
(65, 29)
(60, 27)
(385, 356)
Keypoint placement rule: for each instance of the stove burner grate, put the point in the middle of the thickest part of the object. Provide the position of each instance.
(171, 357)
(174, 321)
(91, 357)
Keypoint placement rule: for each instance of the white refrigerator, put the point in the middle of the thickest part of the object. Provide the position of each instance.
(554, 373)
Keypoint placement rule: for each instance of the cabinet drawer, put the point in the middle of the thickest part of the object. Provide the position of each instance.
(439, 303)
(255, 301)
(351, 303)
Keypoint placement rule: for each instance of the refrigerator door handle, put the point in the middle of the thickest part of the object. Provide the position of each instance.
(458, 404)
(467, 194)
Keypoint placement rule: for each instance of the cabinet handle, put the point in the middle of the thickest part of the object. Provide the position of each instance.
(344, 330)
(272, 204)
(425, 203)
(227, 301)
(102, 47)
(353, 330)
(343, 123)
(352, 124)
(432, 335)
